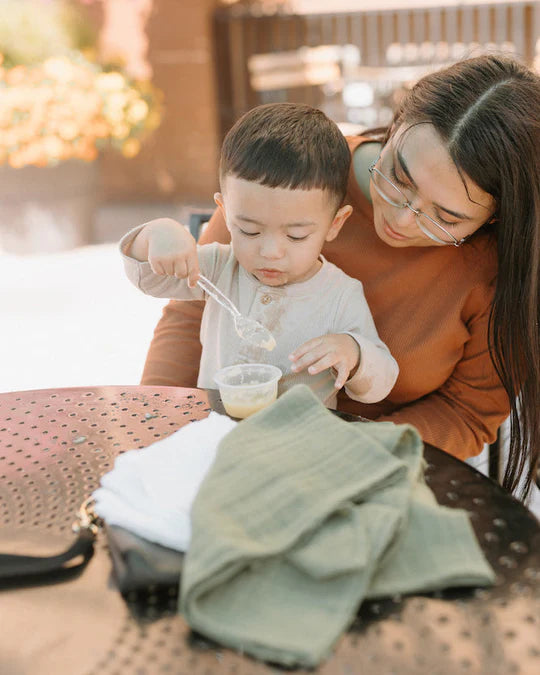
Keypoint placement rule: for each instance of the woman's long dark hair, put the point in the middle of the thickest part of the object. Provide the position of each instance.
(487, 112)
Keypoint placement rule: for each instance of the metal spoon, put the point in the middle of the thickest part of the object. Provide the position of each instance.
(248, 329)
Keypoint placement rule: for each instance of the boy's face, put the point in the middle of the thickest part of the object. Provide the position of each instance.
(277, 234)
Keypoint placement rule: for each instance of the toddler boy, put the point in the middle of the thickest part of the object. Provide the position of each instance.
(283, 176)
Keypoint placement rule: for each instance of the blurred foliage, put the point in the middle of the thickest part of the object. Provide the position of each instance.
(57, 102)
(34, 30)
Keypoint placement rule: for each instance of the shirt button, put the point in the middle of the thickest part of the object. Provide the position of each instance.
(266, 299)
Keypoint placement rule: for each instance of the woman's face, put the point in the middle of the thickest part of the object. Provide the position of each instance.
(417, 162)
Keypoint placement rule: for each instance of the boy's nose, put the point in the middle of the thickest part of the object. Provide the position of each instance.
(271, 249)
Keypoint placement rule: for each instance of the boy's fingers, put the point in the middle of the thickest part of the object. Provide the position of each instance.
(157, 267)
(179, 269)
(304, 348)
(192, 271)
(342, 375)
(168, 266)
(327, 361)
(306, 360)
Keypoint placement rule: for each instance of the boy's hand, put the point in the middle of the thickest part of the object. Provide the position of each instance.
(169, 248)
(338, 351)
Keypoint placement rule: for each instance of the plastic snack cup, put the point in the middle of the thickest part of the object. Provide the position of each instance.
(247, 387)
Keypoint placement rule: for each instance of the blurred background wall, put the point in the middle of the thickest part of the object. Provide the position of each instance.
(209, 61)
(170, 41)
(216, 59)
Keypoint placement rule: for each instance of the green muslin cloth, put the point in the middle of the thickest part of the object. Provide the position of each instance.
(301, 517)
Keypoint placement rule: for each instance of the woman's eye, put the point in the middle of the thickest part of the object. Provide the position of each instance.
(297, 238)
(396, 179)
(442, 221)
(248, 234)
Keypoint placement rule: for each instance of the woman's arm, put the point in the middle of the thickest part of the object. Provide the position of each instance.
(466, 411)
(175, 351)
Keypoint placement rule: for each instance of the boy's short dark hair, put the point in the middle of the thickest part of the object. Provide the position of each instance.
(287, 145)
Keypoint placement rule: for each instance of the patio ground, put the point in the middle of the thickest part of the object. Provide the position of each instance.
(71, 318)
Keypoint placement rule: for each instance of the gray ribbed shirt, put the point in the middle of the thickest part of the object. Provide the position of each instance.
(328, 302)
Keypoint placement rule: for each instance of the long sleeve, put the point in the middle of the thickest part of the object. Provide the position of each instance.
(146, 280)
(175, 351)
(466, 411)
(377, 370)
(376, 374)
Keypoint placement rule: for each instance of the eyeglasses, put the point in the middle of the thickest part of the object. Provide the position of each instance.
(395, 197)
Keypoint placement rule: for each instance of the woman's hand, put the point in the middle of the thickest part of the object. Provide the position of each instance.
(338, 351)
(169, 248)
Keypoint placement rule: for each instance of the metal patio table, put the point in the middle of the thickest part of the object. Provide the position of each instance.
(54, 446)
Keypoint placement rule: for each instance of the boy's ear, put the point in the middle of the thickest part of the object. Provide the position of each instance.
(339, 220)
(218, 198)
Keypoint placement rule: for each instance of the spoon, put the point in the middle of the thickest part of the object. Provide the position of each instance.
(248, 329)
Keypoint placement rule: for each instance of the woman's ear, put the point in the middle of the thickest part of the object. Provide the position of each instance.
(339, 220)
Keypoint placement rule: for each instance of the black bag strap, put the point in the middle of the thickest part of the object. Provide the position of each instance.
(25, 570)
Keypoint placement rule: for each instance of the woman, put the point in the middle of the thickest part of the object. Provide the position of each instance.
(445, 237)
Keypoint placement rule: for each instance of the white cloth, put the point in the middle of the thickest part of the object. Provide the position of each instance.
(328, 302)
(150, 491)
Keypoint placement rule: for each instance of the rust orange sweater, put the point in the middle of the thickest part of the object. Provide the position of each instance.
(431, 307)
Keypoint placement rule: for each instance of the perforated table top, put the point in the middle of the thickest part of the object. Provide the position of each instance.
(55, 445)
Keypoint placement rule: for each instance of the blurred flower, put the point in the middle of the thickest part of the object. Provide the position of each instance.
(68, 107)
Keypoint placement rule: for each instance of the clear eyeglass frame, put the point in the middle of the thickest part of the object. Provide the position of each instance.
(419, 215)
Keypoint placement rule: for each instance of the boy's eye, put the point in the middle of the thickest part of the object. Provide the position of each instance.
(248, 234)
(297, 238)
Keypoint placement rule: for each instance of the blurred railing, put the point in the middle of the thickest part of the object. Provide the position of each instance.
(352, 64)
